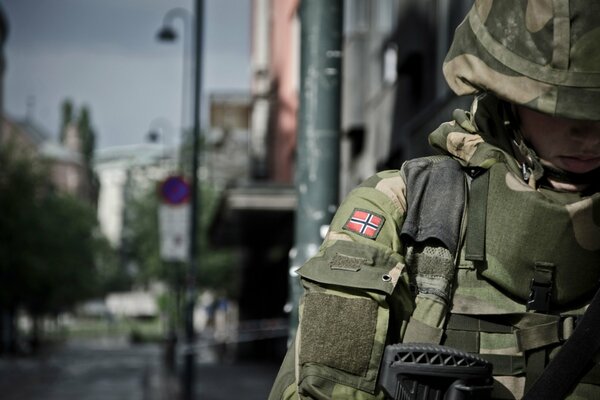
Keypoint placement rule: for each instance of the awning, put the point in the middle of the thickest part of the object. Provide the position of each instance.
(256, 214)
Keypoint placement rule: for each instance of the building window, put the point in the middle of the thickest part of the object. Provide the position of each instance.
(390, 64)
(384, 15)
(356, 16)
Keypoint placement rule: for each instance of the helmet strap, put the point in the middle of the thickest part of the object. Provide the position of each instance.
(533, 169)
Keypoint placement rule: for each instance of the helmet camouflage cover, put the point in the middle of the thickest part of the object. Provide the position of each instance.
(544, 54)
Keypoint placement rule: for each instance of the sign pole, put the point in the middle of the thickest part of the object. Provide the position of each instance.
(173, 215)
(174, 211)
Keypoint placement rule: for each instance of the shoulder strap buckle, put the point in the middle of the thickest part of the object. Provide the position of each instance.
(541, 288)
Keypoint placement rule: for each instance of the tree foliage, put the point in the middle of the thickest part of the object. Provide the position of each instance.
(63, 272)
(66, 118)
(86, 134)
(48, 240)
(215, 267)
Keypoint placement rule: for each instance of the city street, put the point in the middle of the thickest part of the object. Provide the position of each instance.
(115, 370)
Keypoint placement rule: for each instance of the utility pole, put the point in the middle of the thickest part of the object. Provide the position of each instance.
(317, 168)
(191, 291)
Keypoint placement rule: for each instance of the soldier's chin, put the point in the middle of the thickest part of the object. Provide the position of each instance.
(578, 165)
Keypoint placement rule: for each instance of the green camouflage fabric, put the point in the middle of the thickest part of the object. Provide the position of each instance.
(359, 292)
(539, 53)
(525, 224)
(357, 288)
(356, 300)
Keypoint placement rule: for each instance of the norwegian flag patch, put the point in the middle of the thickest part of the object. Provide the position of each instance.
(365, 223)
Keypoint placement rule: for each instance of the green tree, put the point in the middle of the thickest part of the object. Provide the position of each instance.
(66, 118)
(87, 136)
(111, 277)
(48, 241)
(62, 273)
(87, 139)
(216, 267)
(140, 234)
(21, 184)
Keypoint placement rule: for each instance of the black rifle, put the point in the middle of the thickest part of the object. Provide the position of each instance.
(417, 371)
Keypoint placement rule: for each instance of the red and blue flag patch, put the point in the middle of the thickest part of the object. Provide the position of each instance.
(365, 223)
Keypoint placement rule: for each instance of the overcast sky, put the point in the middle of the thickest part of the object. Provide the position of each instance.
(104, 54)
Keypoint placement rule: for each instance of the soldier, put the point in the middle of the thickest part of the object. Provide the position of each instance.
(493, 247)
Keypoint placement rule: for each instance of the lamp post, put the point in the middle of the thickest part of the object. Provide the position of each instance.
(191, 291)
(159, 131)
(168, 34)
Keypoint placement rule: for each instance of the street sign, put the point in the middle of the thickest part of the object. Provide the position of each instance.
(175, 190)
(174, 232)
(174, 219)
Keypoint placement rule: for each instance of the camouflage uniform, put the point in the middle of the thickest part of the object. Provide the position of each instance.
(453, 249)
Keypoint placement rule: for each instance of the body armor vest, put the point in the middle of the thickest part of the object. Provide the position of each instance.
(521, 238)
(527, 231)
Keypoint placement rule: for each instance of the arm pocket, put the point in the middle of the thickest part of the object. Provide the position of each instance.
(344, 319)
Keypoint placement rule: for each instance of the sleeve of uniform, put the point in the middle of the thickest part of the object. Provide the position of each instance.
(356, 298)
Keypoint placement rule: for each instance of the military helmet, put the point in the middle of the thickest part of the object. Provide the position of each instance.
(543, 54)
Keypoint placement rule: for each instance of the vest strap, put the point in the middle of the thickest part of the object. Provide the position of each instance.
(505, 364)
(462, 331)
(420, 332)
(476, 215)
(539, 336)
(468, 323)
(465, 340)
(541, 288)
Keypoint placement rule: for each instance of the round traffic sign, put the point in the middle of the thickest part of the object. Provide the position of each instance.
(175, 190)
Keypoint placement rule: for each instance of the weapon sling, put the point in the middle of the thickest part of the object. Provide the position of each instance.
(568, 366)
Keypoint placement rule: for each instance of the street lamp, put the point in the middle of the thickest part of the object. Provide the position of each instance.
(189, 362)
(168, 34)
(161, 132)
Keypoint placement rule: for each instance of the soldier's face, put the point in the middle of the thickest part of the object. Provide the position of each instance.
(569, 144)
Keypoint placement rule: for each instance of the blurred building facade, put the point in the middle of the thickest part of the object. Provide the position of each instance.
(123, 172)
(393, 96)
(256, 213)
(394, 93)
(64, 162)
(227, 143)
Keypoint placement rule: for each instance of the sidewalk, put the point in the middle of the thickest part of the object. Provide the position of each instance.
(116, 370)
(250, 380)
